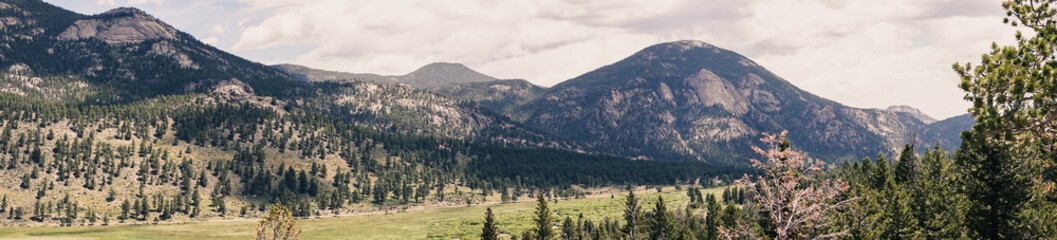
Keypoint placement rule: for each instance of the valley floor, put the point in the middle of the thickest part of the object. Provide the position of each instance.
(461, 222)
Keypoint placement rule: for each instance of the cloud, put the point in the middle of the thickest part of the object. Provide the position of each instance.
(211, 40)
(218, 28)
(129, 2)
(138, 2)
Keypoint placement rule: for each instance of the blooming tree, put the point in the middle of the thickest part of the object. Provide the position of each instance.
(794, 203)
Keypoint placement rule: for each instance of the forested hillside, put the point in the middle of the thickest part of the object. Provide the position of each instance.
(119, 116)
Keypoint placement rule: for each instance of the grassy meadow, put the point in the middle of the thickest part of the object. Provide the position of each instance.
(462, 222)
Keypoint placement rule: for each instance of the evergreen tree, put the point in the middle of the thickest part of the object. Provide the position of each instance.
(662, 225)
(543, 229)
(1008, 158)
(569, 230)
(712, 219)
(908, 167)
(632, 215)
(489, 231)
(125, 207)
(938, 205)
(998, 188)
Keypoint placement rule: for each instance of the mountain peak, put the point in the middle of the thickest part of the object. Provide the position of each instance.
(119, 26)
(443, 73)
(684, 45)
(914, 112)
(124, 11)
(444, 67)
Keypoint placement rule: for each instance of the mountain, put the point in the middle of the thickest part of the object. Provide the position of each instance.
(126, 55)
(913, 112)
(103, 111)
(501, 95)
(438, 74)
(429, 76)
(947, 133)
(315, 75)
(691, 100)
(121, 55)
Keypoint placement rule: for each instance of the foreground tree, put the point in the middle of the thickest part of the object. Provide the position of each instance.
(632, 215)
(794, 206)
(544, 229)
(662, 225)
(1009, 156)
(279, 224)
(489, 231)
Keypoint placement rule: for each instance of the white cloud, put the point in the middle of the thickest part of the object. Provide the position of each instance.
(138, 2)
(211, 40)
(129, 2)
(219, 29)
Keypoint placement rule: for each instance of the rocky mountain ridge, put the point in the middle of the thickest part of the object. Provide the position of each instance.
(428, 76)
(692, 100)
(119, 26)
(126, 55)
(684, 100)
(924, 118)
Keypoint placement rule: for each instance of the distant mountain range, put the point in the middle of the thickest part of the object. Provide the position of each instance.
(125, 55)
(684, 100)
(688, 100)
(431, 75)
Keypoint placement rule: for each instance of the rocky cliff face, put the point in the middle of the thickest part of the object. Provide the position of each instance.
(691, 100)
(123, 54)
(119, 26)
(913, 112)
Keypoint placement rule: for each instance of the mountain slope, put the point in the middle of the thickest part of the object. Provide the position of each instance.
(315, 75)
(125, 55)
(691, 100)
(913, 112)
(428, 76)
(500, 96)
(947, 133)
(125, 52)
(102, 113)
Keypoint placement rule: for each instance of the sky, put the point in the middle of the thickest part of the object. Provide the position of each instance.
(862, 53)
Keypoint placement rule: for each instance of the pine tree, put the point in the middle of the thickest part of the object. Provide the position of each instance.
(25, 181)
(543, 229)
(632, 215)
(569, 230)
(1009, 157)
(998, 189)
(111, 195)
(898, 221)
(125, 207)
(661, 226)
(489, 231)
(908, 167)
(938, 206)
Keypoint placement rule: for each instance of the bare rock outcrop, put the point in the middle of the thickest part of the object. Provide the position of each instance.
(119, 26)
(926, 119)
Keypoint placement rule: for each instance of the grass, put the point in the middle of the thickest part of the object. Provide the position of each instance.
(438, 223)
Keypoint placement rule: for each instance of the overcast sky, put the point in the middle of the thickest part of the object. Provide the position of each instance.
(863, 53)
